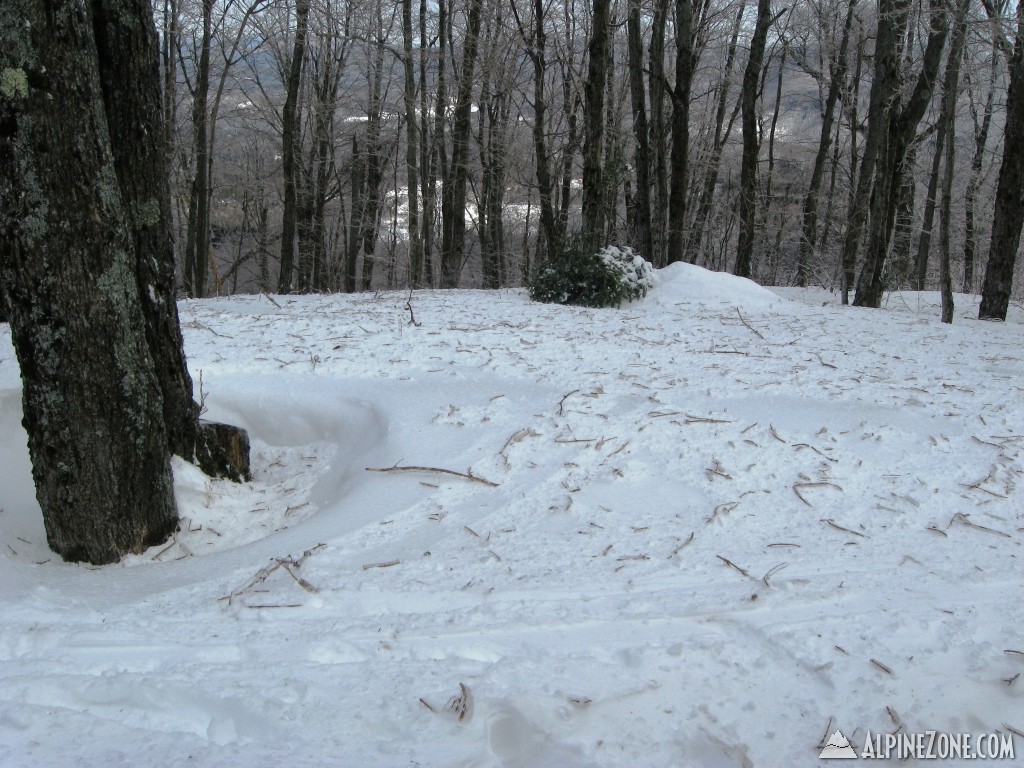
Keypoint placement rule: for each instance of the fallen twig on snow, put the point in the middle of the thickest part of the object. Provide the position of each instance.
(436, 470)
(682, 546)
(798, 486)
(829, 521)
(749, 326)
(388, 564)
(733, 565)
(772, 572)
(462, 705)
(882, 667)
(963, 519)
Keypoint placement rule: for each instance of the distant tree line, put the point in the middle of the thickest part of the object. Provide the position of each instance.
(347, 145)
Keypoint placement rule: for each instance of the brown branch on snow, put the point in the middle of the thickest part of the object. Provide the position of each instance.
(561, 403)
(882, 667)
(436, 470)
(960, 517)
(749, 326)
(388, 564)
(766, 578)
(798, 486)
(733, 565)
(287, 563)
(830, 522)
(462, 705)
(682, 546)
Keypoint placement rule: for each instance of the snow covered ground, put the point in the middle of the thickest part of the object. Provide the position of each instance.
(708, 529)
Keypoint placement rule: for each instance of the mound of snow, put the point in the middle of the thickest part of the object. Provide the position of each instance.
(680, 283)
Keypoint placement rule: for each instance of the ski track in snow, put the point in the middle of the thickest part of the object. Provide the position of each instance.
(727, 522)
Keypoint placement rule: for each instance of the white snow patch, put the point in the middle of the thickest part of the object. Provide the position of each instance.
(724, 524)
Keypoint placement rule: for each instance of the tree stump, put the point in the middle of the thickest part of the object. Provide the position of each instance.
(222, 450)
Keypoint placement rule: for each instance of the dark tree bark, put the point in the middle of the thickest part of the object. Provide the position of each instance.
(751, 141)
(640, 216)
(679, 173)
(1009, 212)
(85, 269)
(593, 122)
(924, 243)
(197, 242)
(884, 90)
(453, 193)
(947, 119)
(428, 165)
(981, 131)
(837, 82)
(859, 173)
(536, 42)
(290, 148)
(411, 145)
(659, 133)
(901, 130)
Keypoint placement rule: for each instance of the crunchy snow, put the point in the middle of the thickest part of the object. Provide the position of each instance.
(708, 529)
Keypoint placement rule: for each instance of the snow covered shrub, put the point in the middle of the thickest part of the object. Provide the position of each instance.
(586, 278)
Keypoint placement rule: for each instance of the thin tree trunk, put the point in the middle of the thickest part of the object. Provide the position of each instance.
(884, 89)
(536, 43)
(428, 175)
(453, 203)
(924, 242)
(593, 122)
(809, 230)
(680, 132)
(721, 136)
(902, 126)
(980, 141)
(197, 243)
(947, 119)
(640, 215)
(947, 116)
(411, 145)
(659, 135)
(751, 141)
(290, 148)
(856, 206)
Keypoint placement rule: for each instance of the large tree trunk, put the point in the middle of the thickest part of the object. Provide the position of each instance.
(751, 141)
(86, 272)
(99, 450)
(1009, 213)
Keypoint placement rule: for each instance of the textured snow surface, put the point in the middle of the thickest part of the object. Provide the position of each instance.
(717, 526)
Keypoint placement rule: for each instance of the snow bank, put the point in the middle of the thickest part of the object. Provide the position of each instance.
(687, 283)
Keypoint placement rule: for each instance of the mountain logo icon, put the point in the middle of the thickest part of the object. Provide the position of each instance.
(838, 748)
